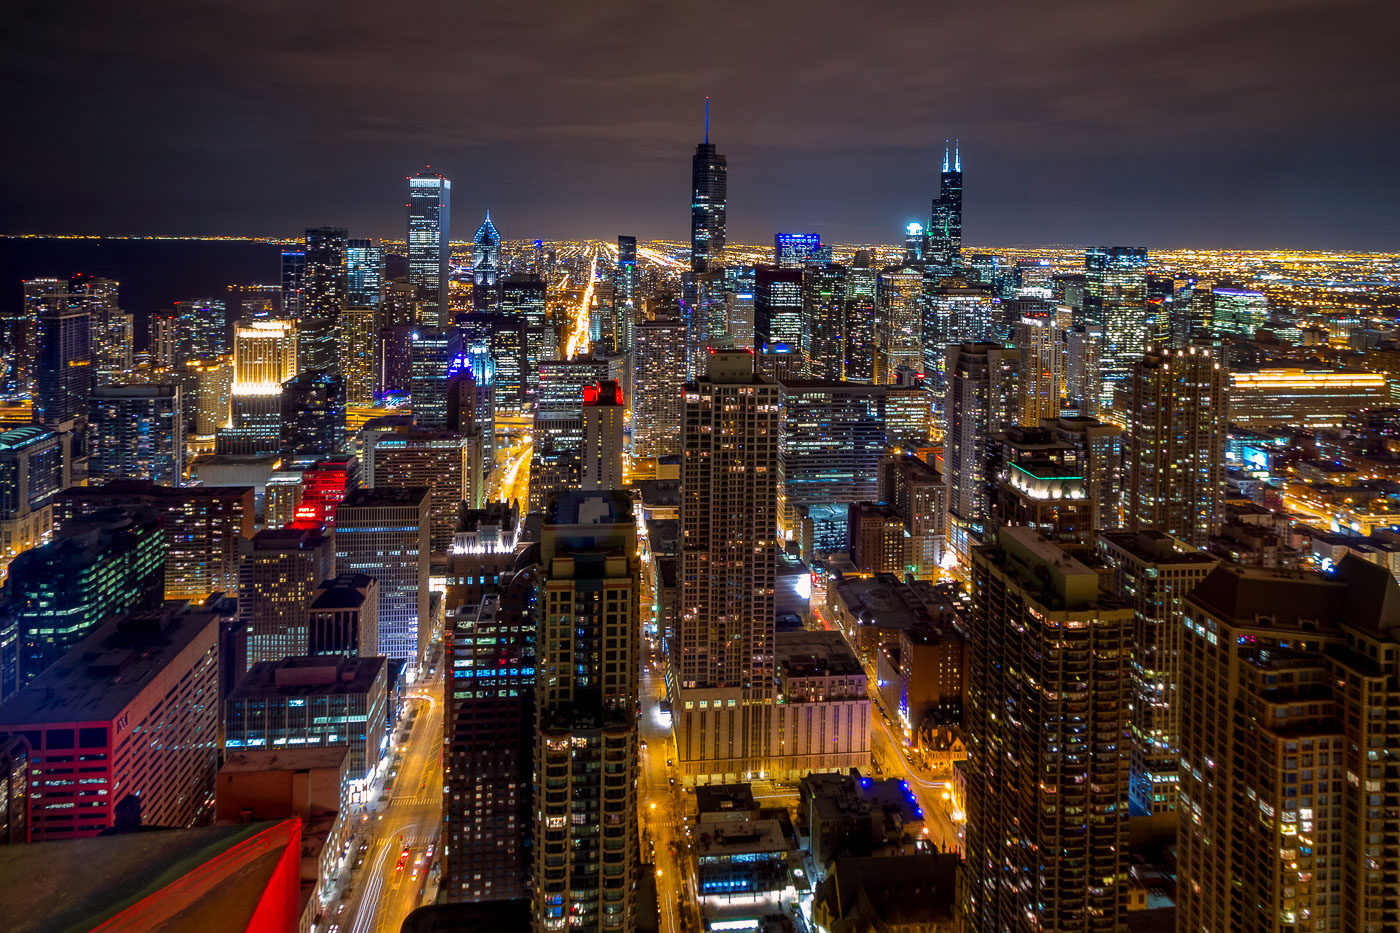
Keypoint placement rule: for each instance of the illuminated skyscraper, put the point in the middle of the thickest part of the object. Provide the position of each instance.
(34, 467)
(627, 294)
(19, 335)
(1040, 342)
(312, 421)
(112, 331)
(1084, 368)
(264, 357)
(523, 296)
(1115, 298)
(429, 254)
(136, 432)
(657, 351)
(860, 319)
(278, 573)
(729, 520)
(65, 376)
(586, 748)
(323, 300)
(945, 223)
(899, 323)
(359, 324)
(603, 410)
(709, 202)
(824, 311)
(293, 282)
(914, 242)
(486, 265)
(434, 354)
(1236, 310)
(1174, 448)
(795, 250)
(201, 328)
(778, 328)
(383, 532)
(1047, 776)
(980, 400)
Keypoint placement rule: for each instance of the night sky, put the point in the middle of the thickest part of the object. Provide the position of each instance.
(1250, 123)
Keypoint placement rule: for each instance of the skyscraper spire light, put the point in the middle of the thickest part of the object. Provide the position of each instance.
(957, 157)
(945, 155)
(707, 120)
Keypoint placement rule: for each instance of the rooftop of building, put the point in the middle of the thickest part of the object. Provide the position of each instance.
(381, 496)
(343, 591)
(1156, 547)
(24, 435)
(52, 886)
(890, 892)
(807, 653)
(588, 507)
(480, 917)
(287, 758)
(723, 798)
(102, 674)
(1057, 578)
(321, 675)
(145, 488)
(740, 837)
(290, 538)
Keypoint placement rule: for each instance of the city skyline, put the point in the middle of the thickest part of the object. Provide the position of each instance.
(1228, 141)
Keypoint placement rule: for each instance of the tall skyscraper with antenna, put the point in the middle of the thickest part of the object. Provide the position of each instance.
(708, 203)
(945, 223)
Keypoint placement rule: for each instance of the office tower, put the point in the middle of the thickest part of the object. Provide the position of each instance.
(399, 305)
(364, 273)
(136, 432)
(958, 314)
(627, 292)
(201, 329)
(824, 311)
(899, 322)
(429, 253)
(1047, 775)
(523, 296)
(1115, 298)
(556, 462)
(109, 563)
(795, 250)
(489, 724)
(19, 333)
(383, 532)
(586, 700)
(1160, 291)
(278, 572)
(15, 758)
(264, 357)
(113, 334)
(65, 376)
(1041, 383)
(918, 494)
(1097, 453)
(486, 266)
(915, 241)
(34, 467)
(1174, 447)
(945, 221)
(325, 484)
(308, 701)
(394, 353)
(705, 306)
(152, 674)
(834, 434)
(876, 539)
(1237, 310)
(293, 283)
(208, 403)
(980, 400)
(163, 340)
(446, 462)
(312, 415)
(1083, 368)
(603, 411)
(203, 526)
(860, 333)
(709, 202)
(778, 328)
(323, 299)
(1154, 573)
(657, 388)
(729, 521)
(434, 354)
(910, 420)
(358, 344)
(343, 617)
(1288, 793)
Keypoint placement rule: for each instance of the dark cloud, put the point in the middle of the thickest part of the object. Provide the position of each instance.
(1229, 122)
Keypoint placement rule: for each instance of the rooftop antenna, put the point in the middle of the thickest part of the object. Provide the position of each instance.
(707, 121)
(957, 159)
(945, 155)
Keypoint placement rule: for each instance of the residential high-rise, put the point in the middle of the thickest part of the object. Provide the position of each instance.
(705, 306)
(429, 253)
(293, 283)
(278, 573)
(944, 233)
(523, 297)
(383, 532)
(860, 331)
(729, 519)
(603, 410)
(1289, 792)
(206, 396)
(203, 528)
(1098, 455)
(980, 400)
(586, 747)
(824, 312)
(486, 264)
(19, 335)
(201, 329)
(1084, 368)
(150, 674)
(34, 467)
(658, 350)
(627, 293)
(109, 563)
(1041, 384)
(1115, 298)
(489, 724)
(447, 462)
(1154, 573)
(136, 432)
(709, 203)
(323, 300)
(312, 419)
(1048, 705)
(899, 322)
(113, 333)
(1174, 447)
(65, 376)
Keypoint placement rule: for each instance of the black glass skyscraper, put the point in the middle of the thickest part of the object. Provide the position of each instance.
(65, 375)
(709, 183)
(313, 415)
(322, 299)
(945, 224)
